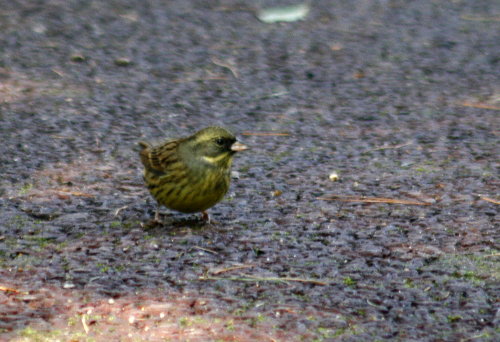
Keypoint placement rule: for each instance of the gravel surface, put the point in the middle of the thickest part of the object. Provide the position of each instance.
(400, 99)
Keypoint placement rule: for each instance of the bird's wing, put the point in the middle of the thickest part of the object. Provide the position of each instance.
(158, 158)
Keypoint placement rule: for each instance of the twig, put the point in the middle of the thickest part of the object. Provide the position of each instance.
(229, 269)
(271, 279)
(479, 105)
(205, 249)
(120, 209)
(266, 134)
(74, 193)
(57, 72)
(84, 323)
(231, 68)
(492, 255)
(196, 79)
(479, 18)
(389, 147)
(419, 197)
(365, 199)
(10, 289)
(55, 136)
(487, 199)
(273, 95)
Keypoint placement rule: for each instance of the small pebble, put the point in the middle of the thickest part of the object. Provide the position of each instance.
(334, 176)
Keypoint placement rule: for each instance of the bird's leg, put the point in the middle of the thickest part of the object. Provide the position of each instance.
(205, 216)
(157, 214)
(156, 221)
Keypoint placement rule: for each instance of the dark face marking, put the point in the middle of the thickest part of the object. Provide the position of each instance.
(224, 143)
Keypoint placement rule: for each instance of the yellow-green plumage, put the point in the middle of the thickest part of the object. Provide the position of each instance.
(190, 174)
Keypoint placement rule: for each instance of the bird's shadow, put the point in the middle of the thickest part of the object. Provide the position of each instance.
(176, 225)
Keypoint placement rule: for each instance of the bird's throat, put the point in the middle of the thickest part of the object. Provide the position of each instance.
(222, 160)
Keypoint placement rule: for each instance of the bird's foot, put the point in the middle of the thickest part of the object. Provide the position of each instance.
(205, 217)
(155, 222)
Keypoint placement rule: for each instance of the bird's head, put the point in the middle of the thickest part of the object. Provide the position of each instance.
(214, 146)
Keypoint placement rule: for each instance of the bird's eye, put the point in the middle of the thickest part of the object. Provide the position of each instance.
(219, 141)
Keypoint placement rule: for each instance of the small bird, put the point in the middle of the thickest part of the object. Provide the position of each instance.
(190, 174)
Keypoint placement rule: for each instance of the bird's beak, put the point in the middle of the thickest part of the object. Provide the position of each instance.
(238, 147)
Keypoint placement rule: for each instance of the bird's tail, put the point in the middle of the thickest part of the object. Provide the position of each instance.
(144, 153)
(144, 145)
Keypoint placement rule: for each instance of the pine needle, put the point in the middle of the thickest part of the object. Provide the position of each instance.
(251, 278)
(229, 269)
(266, 134)
(391, 147)
(205, 249)
(491, 200)
(365, 199)
(479, 105)
(10, 289)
